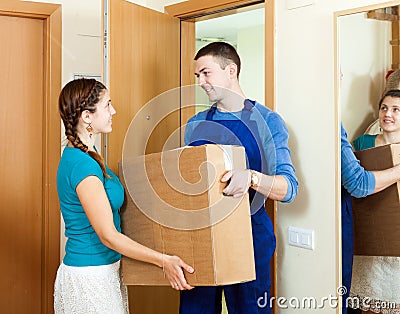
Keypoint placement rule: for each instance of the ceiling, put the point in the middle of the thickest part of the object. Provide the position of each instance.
(225, 28)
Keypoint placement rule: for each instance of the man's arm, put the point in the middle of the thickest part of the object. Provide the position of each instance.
(358, 181)
(285, 185)
(355, 179)
(277, 181)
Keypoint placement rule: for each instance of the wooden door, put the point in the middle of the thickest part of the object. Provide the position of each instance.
(143, 56)
(144, 62)
(30, 149)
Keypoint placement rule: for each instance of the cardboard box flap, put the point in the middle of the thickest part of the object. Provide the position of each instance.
(380, 160)
(159, 177)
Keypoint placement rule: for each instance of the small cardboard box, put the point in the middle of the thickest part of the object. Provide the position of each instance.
(377, 217)
(176, 206)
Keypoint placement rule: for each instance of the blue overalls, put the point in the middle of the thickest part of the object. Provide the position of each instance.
(347, 245)
(249, 297)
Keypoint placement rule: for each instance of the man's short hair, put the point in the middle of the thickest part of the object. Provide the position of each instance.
(223, 52)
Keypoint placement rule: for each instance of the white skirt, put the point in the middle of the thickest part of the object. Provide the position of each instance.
(91, 289)
(376, 279)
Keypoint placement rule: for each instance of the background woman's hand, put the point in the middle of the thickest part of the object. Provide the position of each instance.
(173, 269)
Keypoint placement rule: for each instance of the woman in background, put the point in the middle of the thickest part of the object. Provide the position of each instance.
(376, 279)
(90, 195)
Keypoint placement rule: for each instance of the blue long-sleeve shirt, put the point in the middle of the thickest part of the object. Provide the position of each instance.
(274, 136)
(355, 179)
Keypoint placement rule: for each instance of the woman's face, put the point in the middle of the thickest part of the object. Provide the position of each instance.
(389, 114)
(102, 118)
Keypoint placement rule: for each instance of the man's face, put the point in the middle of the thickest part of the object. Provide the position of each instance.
(214, 80)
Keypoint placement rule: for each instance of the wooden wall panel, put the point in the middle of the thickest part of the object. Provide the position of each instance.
(30, 82)
(21, 197)
(143, 63)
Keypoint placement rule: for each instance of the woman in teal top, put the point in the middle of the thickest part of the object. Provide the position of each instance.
(84, 247)
(364, 141)
(90, 196)
(377, 278)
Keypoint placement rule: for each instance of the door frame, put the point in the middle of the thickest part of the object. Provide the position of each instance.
(193, 8)
(50, 253)
(187, 12)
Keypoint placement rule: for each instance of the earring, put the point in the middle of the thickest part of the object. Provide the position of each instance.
(89, 129)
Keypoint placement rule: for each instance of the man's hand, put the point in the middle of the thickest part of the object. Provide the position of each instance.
(239, 182)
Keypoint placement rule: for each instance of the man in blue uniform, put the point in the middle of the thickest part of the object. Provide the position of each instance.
(235, 120)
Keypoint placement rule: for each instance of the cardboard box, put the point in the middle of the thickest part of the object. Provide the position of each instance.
(377, 217)
(176, 206)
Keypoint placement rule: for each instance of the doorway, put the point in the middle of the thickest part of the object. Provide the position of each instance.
(246, 32)
(129, 78)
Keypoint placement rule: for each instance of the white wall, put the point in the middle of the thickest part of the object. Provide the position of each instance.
(157, 5)
(81, 37)
(365, 58)
(305, 98)
(250, 46)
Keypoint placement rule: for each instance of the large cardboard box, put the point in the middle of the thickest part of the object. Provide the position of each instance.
(176, 206)
(377, 217)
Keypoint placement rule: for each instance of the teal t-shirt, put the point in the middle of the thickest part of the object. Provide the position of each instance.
(83, 247)
(364, 141)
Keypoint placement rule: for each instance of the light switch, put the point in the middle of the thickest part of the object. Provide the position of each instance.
(294, 237)
(303, 238)
(295, 4)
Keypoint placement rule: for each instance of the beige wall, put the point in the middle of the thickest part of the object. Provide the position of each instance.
(157, 5)
(250, 46)
(82, 38)
(305, 98)
(365, 58)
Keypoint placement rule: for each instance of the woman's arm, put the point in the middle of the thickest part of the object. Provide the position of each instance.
(358, 181)
(386, 178)
(94, 200)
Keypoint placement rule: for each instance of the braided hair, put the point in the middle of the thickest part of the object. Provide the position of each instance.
(76, 97)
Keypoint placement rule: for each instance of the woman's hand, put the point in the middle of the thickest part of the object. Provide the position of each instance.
(172, 267)
(239, 182)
